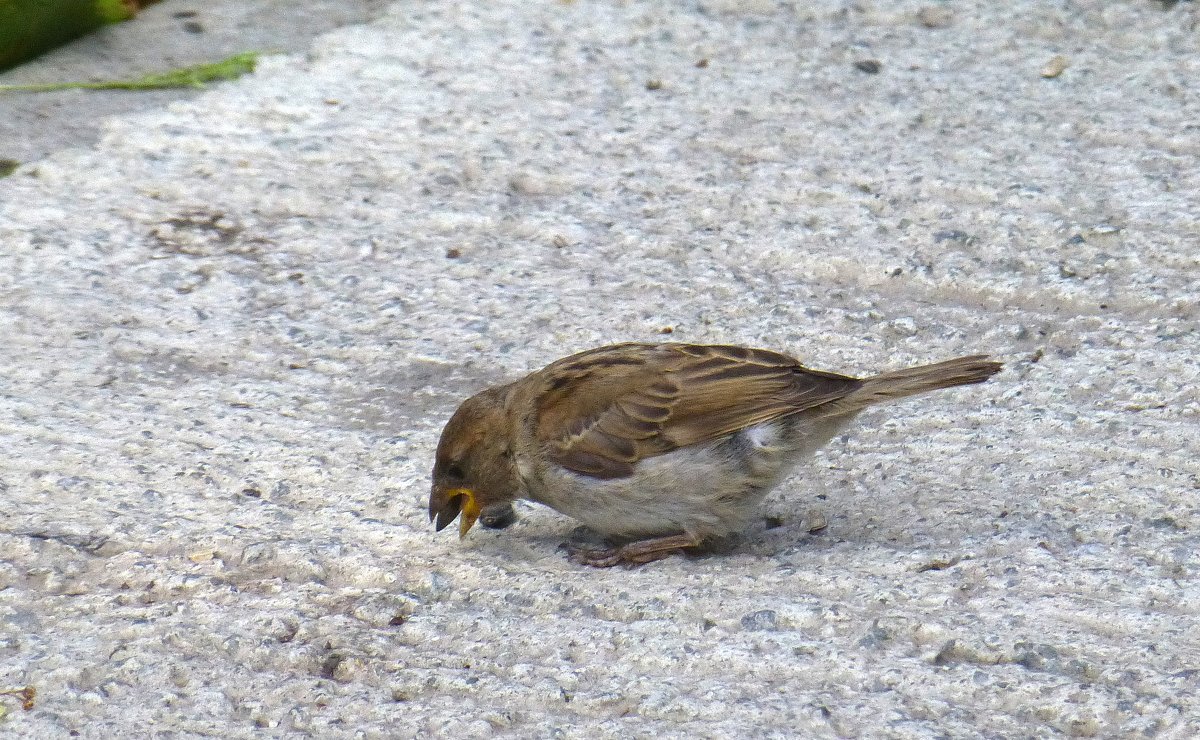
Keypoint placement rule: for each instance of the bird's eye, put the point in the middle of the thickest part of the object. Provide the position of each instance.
(455, 470)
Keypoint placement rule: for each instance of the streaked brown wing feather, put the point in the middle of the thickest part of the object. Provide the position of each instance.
(606, 409)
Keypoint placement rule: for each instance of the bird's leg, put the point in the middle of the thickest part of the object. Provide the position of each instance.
(635, 553)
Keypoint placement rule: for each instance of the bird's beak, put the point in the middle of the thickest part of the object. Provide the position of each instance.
(445, 506)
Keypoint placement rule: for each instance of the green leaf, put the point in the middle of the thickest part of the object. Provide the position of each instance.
(196, 76)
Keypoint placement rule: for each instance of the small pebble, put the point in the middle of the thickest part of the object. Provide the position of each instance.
(932, 16)
(1055, 66)
(764, 620)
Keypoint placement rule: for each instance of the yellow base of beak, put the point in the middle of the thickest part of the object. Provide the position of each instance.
(470, 511)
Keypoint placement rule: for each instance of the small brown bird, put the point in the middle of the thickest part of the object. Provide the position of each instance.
(664, 446)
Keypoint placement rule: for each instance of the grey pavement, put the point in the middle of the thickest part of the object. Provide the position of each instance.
(233, 323)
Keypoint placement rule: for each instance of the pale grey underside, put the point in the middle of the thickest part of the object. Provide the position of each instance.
(710, 490)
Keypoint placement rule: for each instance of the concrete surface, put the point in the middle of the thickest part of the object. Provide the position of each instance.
(233, 328)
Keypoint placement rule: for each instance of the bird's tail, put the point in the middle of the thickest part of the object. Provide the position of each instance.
(921, 379)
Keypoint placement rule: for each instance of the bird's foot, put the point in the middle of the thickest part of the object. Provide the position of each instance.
(633, 553)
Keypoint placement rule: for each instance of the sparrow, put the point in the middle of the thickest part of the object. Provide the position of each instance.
(663, 448)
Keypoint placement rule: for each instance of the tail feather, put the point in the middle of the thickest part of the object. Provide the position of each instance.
(921, 379)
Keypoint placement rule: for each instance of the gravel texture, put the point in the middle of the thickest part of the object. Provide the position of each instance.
(233, 329)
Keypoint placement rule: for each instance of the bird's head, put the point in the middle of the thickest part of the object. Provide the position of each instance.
(474, 467)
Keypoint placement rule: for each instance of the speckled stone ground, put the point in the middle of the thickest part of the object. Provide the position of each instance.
(233, 329)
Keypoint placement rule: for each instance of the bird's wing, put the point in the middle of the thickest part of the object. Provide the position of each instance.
(602, 411)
